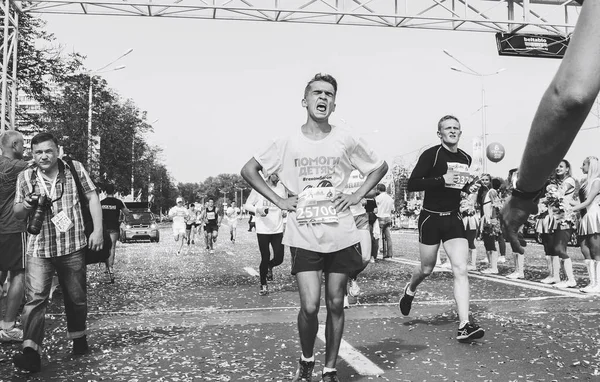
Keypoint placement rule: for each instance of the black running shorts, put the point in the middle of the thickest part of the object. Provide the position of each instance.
(435, 227)
(12, 251)
(210, 228)
(346, 260)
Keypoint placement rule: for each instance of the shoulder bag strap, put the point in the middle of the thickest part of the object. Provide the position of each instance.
(85, 205)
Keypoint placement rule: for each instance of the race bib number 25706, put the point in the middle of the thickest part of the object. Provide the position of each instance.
(315, 206)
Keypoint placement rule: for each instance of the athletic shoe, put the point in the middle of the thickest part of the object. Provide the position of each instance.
(469, 332)
(484, 261)
(566, 284)
(346, 302)
(372, 260)
(11, 335)
(212, 251)
(406, 301)
(594, 289)
(354, 289)
(490, 271)
(28, 360)
(330, 377)
(516, 275)
(193, 242)
(304, 372)
(550, 280)
(502, 259)
(80, 346)
(264, 290)
(270, 274)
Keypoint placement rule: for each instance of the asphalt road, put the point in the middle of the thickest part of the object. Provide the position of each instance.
(198, 317)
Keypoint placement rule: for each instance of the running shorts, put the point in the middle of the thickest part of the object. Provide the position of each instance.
(435, 227)
(178, 229)
(12, 251)
(209, 228)
(362, 221)
(346, 260)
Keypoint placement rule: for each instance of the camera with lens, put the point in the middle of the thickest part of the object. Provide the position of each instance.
(41, 204)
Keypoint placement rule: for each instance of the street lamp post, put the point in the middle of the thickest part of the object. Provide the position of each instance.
(481, 76)
(91, 74)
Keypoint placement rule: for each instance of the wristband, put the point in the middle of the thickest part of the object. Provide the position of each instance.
(527, 195)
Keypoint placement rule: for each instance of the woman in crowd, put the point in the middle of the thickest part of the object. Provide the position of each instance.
(589, 225)
(560, 197)
(486, 198)
(543, 227)
(471, 223)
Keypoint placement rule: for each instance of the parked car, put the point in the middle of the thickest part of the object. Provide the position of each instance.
(140, 224)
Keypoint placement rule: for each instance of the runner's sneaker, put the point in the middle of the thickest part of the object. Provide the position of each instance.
(469, 332)
(550, 280)
(264, 290)
(11, 335)
(330, 377)
(406, 301)
(354, 289)
(270, 274)
(501, 259)
(304, 372)
(212, 251)
(516, 275)
(490, 271)
(566, 284)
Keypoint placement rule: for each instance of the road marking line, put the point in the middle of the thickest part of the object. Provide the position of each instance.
(502, 280)
(251, 271)
(353, 357)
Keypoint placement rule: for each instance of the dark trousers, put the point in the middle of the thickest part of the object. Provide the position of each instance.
(265, 254)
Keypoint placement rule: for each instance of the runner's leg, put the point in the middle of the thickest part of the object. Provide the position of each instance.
(335, 287)
(457, 250)
(309, 288)
(428, 255)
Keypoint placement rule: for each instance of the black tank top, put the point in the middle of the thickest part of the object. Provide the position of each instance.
(211, 215)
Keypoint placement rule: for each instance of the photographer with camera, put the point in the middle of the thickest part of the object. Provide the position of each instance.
(47, 194)
(12, 234)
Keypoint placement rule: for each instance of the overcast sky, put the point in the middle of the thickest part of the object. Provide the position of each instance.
(221, 89)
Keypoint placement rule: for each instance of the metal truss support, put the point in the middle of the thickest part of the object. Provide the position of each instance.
(9, 44)
(538, 16)
(556, 17)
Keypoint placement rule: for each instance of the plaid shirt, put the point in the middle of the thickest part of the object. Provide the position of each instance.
(50, 242)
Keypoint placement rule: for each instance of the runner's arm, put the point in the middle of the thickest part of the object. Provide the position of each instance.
(565, 104)
(250, 173)
(420, 179)
(96, 239)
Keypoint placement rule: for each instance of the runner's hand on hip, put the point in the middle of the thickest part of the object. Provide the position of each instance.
(344, 201)
(288, 204)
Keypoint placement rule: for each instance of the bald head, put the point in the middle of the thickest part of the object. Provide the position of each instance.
(12, 144)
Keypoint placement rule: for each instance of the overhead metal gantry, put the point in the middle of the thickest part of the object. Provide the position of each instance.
(556, 17)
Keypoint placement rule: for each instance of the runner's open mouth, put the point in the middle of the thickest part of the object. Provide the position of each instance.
(322, 108)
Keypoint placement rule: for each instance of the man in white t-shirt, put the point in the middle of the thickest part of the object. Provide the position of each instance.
(385, 206)
(179, 214)
(314, 165)
(232, 213)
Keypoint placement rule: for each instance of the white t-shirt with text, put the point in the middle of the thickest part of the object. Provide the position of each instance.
(303, 163)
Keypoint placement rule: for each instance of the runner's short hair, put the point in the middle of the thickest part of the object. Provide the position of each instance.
(321, 77)
(110, 189)
(381, 187)
(445, 118)
(43, 137)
